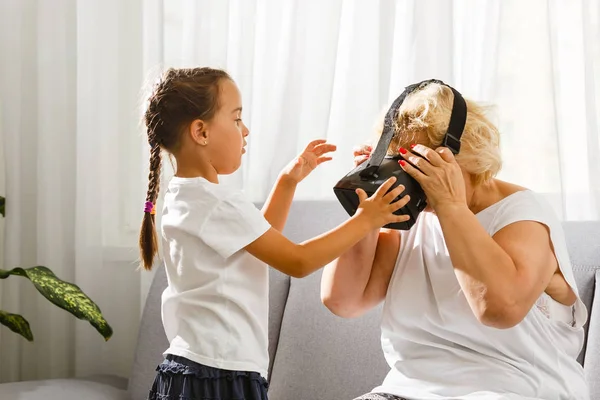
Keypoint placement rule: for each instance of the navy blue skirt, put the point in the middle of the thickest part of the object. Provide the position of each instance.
(178, 378)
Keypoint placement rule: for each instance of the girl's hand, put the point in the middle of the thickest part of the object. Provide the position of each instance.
(438, 174)
(378, 210)
(313, 155)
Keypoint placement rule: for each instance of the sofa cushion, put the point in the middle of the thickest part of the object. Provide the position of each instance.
(279, 285)
(321, 356)
(328, 214)
(592, 354)
(61, 389)
(585, 277)
(583, 242)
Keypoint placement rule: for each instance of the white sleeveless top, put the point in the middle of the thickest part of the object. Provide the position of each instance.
(437, 349)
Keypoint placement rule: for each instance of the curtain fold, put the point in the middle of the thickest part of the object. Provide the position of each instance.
(70, 81)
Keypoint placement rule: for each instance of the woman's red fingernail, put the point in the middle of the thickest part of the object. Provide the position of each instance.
(402, 162)
(412, 146)
(402, 150)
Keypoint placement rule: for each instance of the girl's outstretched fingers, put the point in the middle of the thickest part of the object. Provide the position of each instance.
(401, 202)
(393, 194)
(383, 189)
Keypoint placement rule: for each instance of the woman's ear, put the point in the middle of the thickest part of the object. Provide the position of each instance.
(199, 132)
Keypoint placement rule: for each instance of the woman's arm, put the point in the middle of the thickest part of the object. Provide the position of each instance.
(299, 260)
(501, 276)
(358, 280)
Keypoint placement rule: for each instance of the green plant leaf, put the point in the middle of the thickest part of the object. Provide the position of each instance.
(16, 323)
(65, 295)
(2, 202)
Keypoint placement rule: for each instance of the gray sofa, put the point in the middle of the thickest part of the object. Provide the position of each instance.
(314, 354)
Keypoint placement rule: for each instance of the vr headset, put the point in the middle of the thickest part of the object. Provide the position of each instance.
(370, 175)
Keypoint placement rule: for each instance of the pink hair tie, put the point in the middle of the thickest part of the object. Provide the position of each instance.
(149, 208)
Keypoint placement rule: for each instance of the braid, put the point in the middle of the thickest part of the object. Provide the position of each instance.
(148, 237)
(155, 168)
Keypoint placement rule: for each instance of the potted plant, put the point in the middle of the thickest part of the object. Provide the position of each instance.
(63, 294)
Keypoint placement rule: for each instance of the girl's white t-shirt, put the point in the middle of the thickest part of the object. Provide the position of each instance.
(215, 309)
(437, 349)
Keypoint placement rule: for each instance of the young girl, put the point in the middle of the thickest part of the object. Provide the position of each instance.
(217, 244)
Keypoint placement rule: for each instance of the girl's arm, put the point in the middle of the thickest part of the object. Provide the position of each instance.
(299, 260)
(277, 206)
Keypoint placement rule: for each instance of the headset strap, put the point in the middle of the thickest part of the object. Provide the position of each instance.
(451, 140)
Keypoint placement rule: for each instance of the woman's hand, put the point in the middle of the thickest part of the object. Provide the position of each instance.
(313, 155)
(361, 154)
(438, 174)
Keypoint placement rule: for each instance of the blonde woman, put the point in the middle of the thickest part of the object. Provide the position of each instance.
(480, 300)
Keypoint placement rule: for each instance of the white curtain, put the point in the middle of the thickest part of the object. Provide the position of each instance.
(72, 74)
(329, 69)
(70, 79)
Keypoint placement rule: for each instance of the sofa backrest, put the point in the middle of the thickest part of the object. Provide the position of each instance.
(316, 355)
(583, 241)
(321, 356)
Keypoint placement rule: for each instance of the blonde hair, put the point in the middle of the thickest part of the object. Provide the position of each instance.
(423, 119)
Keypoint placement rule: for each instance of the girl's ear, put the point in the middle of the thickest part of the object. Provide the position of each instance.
(199, 132)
